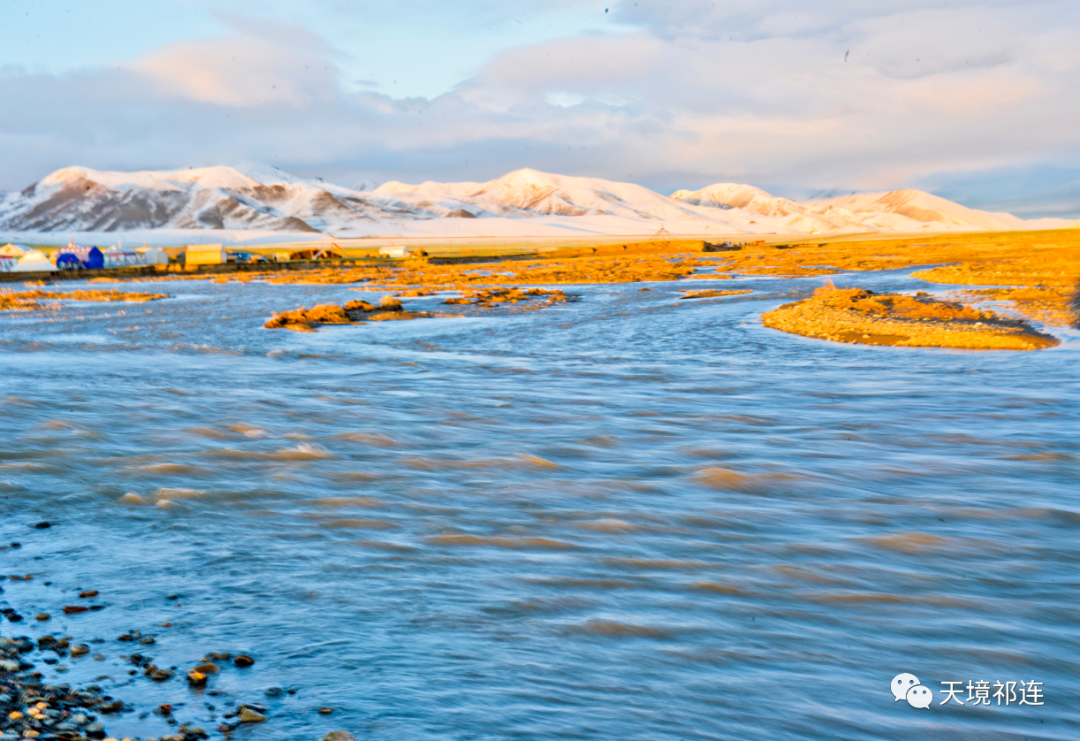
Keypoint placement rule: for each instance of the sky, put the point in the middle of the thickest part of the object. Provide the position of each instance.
(974, 101)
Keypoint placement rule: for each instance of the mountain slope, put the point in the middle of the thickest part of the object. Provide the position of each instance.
(530, 193)
(81, 199)
(915, 205)
(261, 199)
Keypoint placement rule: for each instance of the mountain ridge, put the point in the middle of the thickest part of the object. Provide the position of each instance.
(261, 198)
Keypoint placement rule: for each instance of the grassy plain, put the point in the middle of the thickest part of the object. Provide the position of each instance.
(1034, 275)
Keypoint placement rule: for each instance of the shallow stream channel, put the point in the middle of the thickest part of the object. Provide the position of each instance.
(626, 517)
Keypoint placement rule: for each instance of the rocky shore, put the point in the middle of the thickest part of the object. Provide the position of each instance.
(33, 709)
(36, 706)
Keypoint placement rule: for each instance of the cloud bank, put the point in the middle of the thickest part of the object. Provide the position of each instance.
(794, 98)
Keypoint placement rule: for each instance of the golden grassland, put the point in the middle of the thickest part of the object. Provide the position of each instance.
(28, 300)
(1039, 272)
(1036, 275)
(859, 316)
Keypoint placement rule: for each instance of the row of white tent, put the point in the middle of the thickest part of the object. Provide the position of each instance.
(18, 258)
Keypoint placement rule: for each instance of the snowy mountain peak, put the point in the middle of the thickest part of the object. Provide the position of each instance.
(735, 195)
(260, 197)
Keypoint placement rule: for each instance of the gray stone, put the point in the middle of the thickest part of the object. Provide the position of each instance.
(339, 736)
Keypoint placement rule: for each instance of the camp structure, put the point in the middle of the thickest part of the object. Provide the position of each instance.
(205, 254)
(14, 250)
(394, 251)
(155, 256)
(34, 261)
(333, 252)
(79, 257)
(7, 262)
(118, 257)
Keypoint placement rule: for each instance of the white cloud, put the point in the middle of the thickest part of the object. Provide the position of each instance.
(691, 94)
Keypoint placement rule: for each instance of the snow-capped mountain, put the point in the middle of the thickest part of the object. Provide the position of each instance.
(528, 193)
(894, 209)
(80, 199)
(260, 199)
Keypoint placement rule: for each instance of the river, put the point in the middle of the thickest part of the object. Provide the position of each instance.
(629, 517)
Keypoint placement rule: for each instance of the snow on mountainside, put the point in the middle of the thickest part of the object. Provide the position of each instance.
(895, 211)
(80, 199)
(532, 193)
(258, 198)
(917, 206)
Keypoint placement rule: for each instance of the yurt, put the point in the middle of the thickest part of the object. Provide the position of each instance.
(79, 257)
(118, 257)
(34, 261)
(155, 256)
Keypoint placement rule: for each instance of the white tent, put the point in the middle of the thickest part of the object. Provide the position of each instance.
(155, 256)
(7, 263)
(34, 261)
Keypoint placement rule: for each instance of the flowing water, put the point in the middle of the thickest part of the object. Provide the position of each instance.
(629, 517)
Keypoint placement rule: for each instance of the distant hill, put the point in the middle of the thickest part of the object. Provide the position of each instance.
(263, 199)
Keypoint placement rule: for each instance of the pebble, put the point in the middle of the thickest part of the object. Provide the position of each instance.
(42, 616)
(248, 715)
(42, 525)
(273, 692)
(342, 735)
(89, 593)
(325, 710)
(243, 660)
(80, 649)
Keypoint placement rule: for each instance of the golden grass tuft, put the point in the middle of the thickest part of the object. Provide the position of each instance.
(859, 316)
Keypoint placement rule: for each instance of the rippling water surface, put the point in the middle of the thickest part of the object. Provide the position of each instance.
(630, 517)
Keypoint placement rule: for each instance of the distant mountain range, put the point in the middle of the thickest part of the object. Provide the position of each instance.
(524, 202)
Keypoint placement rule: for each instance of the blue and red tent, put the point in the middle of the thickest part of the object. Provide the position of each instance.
(79, 257)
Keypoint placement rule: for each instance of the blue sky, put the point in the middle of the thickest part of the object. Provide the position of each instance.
(976, 101)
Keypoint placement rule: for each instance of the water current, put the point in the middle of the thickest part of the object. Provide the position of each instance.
(630, 517)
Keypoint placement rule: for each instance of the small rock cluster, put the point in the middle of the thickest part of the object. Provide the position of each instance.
(34, 710)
